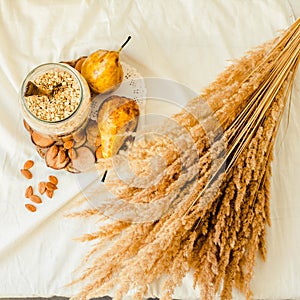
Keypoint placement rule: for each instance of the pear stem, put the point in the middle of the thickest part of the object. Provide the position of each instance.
(128, 39)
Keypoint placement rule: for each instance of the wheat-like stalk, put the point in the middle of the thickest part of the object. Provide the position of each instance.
(218, 200)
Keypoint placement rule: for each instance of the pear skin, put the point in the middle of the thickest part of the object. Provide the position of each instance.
(117, 117)
(103, 71)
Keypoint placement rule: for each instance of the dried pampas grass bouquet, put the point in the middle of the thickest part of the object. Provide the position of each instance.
(212, 189)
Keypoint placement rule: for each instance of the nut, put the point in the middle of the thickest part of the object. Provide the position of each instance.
(68, 144)
(28, 192)
(40, 140)
(30, 207)
(49, 193)
(50, 186)
(26, 173)
(93, 134)
(28, 164)
(42, 187)
(72, 153)
(56, 157)
(85, 159)
(61, 156)
(53, 179)
(35, 199)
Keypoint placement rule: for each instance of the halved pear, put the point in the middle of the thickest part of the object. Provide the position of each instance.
(117, 117)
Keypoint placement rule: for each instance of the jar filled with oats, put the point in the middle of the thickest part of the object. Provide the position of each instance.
(55, 100)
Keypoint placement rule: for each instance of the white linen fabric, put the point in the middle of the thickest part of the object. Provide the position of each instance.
(186, 41)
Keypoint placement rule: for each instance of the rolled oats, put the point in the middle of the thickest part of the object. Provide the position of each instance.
(60, 102)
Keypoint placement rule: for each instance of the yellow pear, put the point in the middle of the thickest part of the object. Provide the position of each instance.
(103, 70)
(117, 118)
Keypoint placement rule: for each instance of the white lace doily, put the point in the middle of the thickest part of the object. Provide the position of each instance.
(133, 86)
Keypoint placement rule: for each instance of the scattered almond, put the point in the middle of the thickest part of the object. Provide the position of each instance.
(49, 193)
(42, 187)
(53, 179)
(30, 207)
(35, 199)
(28, 164)
(50, 186)
(26, 173)
(68, 144)
(29, 192)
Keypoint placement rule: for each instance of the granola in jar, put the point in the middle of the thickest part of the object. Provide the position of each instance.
(55, 100)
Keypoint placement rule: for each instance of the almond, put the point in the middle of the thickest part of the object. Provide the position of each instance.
(49, 193)
(28, 164)
(35, 199)
(29, 192)
(85, 159)
(50, 186)
(61, 156)
(30, 207)
(27, 127)
(53, 179)
(53, 151)
(68, 144)
(42, 187)
(72, 153)
(26, 173)
(41, 140)
(56, 158)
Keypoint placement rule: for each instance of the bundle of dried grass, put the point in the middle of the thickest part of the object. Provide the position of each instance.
(219, 200)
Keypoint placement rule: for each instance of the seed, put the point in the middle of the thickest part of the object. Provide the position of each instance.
(28, 164)
(30, 207)
(72, 153)
(50, 186)
(26, 173)
(29, 192)
(35, 199)
(53, 179)
(61, 156)
(68, 144)
(42, 187)
(49, 193)
(53, 151)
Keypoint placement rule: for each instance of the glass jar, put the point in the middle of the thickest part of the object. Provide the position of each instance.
(64, 126)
